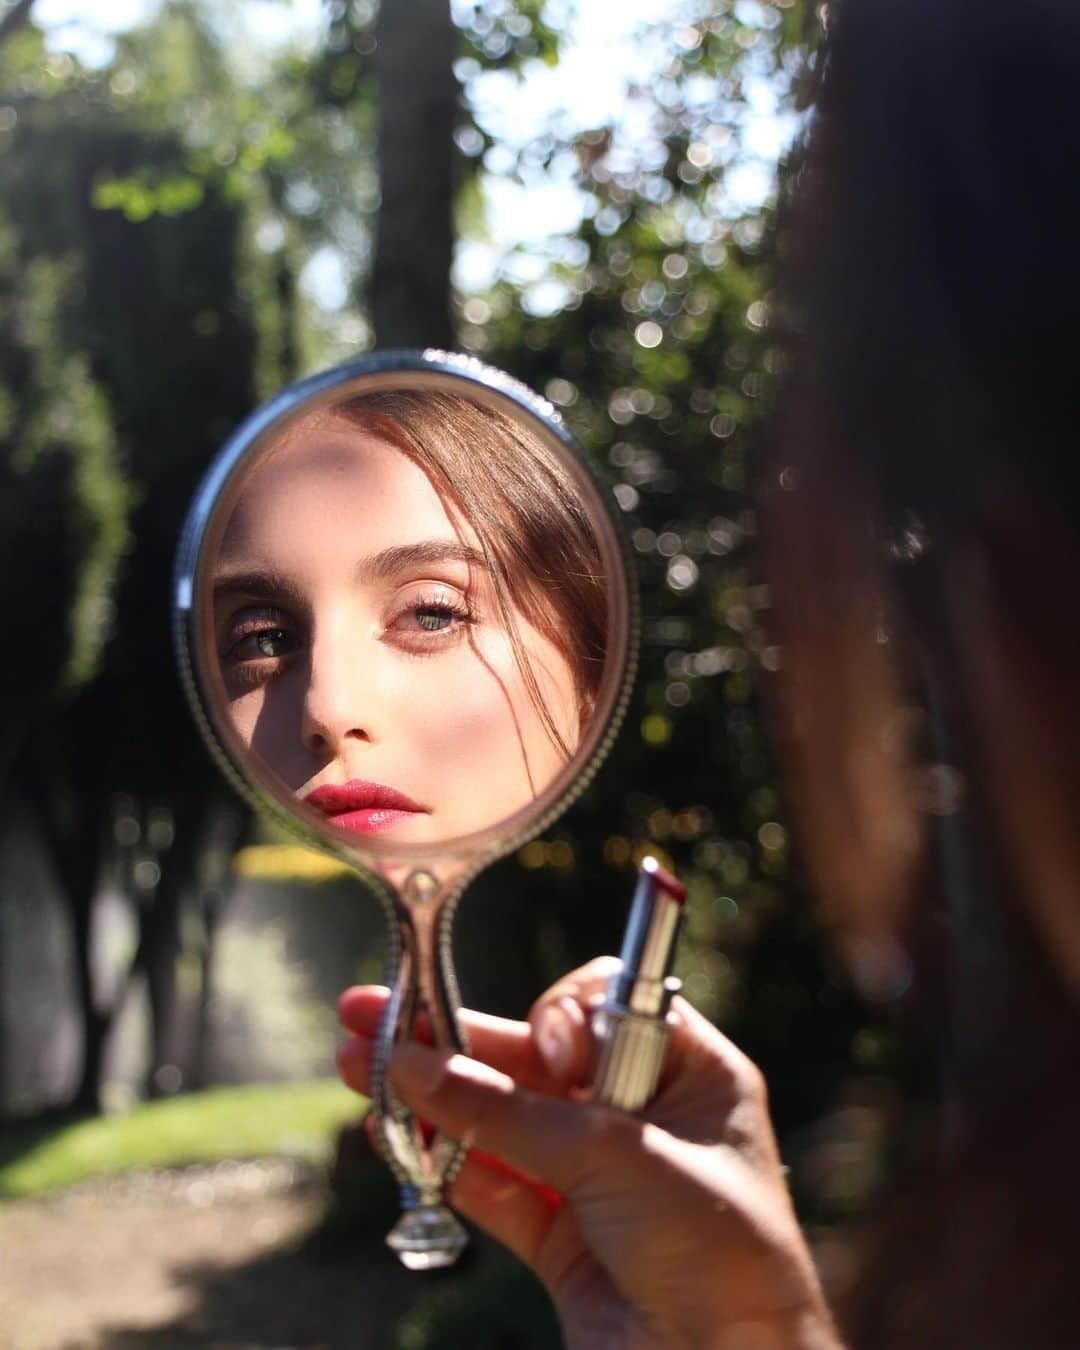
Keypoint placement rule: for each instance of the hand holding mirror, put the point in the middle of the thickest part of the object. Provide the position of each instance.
(405, 624)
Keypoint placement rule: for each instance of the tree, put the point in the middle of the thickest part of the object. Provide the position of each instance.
(422, 175)
(120, 254)
(417, 101)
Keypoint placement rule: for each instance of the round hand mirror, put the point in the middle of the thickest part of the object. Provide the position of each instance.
(406, 627)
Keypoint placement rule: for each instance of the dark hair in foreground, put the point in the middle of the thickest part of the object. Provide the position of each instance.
(925, 560)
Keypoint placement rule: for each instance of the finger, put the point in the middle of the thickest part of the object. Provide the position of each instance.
(557, 1054)
(691, 1033)
(371, 1129)
(354, 1063)
(705, 1077)
(697, 1045)
(557, 1143)
(552, 1198)
(361, 1007)
(355, 1058)
(563, 1040)
(360, 1010)
(516, 1212)
(496, 1040)
(561, 1020)
(355, 1052)
(508, 1046)
(585, 986)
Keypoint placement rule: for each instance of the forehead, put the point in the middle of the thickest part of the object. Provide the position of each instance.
(328, 485)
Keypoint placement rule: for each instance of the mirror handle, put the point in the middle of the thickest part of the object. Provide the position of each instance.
(423, 984)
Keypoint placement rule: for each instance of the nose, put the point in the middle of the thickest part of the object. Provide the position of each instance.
(338, 702)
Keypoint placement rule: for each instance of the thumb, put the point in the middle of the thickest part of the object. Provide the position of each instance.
(556, 1142)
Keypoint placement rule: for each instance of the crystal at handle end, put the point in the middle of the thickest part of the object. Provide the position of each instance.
(427, 1237)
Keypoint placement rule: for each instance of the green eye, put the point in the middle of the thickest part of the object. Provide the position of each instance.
(268, 644)
(271, 642)
(426, 623)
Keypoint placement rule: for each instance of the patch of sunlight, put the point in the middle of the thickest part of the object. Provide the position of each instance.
(286, 862)
(295, 1120)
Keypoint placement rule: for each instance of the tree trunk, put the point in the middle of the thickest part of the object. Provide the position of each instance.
(79, 866)
(14, 19)
(417, 100)
(160, 942)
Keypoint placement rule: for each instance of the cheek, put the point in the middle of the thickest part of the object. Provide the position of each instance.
(468, 718)
(268, 722)
(462, 705)
(244, 714)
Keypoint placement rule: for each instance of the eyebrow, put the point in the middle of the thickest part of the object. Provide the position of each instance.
(260, 585)
(390, 562)
(404, 557)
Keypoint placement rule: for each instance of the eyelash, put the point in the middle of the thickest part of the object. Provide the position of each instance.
(424, 640)
(246, 673)
(250, 673)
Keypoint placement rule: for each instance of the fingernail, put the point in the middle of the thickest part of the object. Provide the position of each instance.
(554, 1034)
(417, 1070)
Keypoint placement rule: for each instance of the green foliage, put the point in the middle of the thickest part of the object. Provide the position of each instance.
(63, 501)
(129, 351)
(660, 357)
(649, 327)
(507, 33)
(87, 396)
(143, 195)
(288, 141)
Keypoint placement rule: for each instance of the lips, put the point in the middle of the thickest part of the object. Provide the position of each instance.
(364, 808)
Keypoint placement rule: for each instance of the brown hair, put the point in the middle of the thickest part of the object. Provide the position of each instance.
(925, 562)
(928, 457)
(534, 530)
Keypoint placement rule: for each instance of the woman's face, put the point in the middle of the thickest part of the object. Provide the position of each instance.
(360, 649)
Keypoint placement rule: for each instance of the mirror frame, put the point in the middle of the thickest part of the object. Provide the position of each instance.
(205, 523)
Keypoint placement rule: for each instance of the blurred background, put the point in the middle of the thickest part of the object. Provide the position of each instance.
(198, 203)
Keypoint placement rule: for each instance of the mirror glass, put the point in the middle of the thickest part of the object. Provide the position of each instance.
(409, 608)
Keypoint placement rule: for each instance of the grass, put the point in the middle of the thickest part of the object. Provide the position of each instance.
(296, 1120)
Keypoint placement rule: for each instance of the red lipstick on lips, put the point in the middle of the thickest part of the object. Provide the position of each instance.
(365, 808)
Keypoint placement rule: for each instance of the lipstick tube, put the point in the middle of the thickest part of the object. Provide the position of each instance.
(630, 1027)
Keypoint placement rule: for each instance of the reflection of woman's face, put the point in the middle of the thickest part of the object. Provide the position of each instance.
(360, 650)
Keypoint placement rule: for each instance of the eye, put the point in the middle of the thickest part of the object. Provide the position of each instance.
(434, 618)
(256, 644)
(421, 621)
(268, 642)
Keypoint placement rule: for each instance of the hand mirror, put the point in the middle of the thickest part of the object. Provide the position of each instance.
(405, 624)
